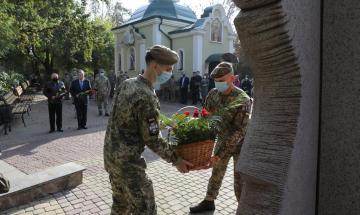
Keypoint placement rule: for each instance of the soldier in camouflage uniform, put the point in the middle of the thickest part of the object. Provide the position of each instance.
(112, 79)
(134, 123)
(103, 87)
(4, 184)
(222, 99)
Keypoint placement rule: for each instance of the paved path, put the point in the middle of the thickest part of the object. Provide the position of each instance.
(32, 149)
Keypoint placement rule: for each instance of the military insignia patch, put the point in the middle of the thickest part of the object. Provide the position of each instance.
(153, 127)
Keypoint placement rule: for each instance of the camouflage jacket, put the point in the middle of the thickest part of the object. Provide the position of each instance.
(134, 123)
(234, 119)
(4, 184)
(102, 84)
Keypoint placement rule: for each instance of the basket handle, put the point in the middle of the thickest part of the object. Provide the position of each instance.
(186, 107)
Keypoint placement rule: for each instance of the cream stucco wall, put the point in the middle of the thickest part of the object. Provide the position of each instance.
(186, 44)
(210, 48)
(147, 31)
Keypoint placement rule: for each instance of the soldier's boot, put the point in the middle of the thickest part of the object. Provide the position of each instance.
(203, 206)
(100, 112)
(106, 114)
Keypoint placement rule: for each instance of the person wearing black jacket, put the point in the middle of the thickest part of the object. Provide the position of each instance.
(80, 89)
(184, 85)
(54, 90)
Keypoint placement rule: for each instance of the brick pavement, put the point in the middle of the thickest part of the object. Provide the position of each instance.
(32, 149)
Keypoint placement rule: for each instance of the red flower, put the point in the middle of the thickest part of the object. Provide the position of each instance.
(187, 113)
(204, 112)
(196, 113)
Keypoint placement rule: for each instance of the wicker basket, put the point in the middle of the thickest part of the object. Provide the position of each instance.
(198, 154)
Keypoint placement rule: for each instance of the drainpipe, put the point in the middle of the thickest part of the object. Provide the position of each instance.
(161, 21)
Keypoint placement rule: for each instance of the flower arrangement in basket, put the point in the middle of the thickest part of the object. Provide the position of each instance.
(193, 134)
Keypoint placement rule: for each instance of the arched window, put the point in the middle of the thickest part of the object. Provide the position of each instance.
(181, 60)
(131, 58)
(216, 31)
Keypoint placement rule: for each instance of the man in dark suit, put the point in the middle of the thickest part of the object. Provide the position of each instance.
(80, 89)
(54, 90)
(195, 84)
(184, 85)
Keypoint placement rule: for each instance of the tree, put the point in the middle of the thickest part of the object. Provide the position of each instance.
(103, 50)
(118, 13)
(7, 29)
(229, 6)
(50, 30)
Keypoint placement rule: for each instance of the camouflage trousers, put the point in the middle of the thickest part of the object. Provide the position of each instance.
(102, 100)
(218, 174)
(133, 191)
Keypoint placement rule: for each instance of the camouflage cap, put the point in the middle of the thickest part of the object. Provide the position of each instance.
(222, 69)
(163, 55)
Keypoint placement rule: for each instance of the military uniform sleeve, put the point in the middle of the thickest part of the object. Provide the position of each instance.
(148, 118)
(209, 103)
(235, 131)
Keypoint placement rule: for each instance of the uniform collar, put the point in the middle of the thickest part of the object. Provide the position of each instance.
(145, 81)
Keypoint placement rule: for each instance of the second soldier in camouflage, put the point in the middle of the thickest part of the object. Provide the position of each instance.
(234, 120)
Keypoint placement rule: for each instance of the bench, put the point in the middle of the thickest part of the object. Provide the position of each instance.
(17, 107)
(23, 98)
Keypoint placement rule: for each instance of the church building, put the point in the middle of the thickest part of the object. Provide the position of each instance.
(199, 42)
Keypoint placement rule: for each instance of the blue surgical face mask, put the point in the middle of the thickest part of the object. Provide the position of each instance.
(163, 77)
(221, 86)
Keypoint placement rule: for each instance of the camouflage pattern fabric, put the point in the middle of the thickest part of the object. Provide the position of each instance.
(134, 123)
(102, 84)
(234, 120)
(4, 184)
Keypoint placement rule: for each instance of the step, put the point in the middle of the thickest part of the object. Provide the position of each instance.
(27, 188)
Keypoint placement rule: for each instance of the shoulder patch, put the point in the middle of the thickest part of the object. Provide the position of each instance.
(153, 127)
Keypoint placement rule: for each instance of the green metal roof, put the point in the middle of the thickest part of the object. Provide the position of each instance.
(165, 9)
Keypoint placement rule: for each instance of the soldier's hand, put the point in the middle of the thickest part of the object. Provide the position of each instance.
(183, 165)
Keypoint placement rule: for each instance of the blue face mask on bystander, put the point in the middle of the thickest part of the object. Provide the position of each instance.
(221, 86)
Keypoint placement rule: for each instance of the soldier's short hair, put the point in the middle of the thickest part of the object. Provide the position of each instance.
(162, 55)
(222, 69)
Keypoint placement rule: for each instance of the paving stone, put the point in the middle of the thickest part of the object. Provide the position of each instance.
(174, 191)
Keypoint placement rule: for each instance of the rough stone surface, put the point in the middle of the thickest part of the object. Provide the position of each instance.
(269, 141)
(339, 190)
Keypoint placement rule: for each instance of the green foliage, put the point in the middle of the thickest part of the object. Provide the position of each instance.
(54, 34)
(7, 29)
(10, 80)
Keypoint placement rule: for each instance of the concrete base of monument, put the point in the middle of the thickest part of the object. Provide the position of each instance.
(27, 188)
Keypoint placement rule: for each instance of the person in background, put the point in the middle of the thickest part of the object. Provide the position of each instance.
(204, 87)
(195, 83)
(103, 88)
(54, 90)
(184, 85)
(67, 82)
(80, 89)
(173, 85)
(246, 85)
(237, 81)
